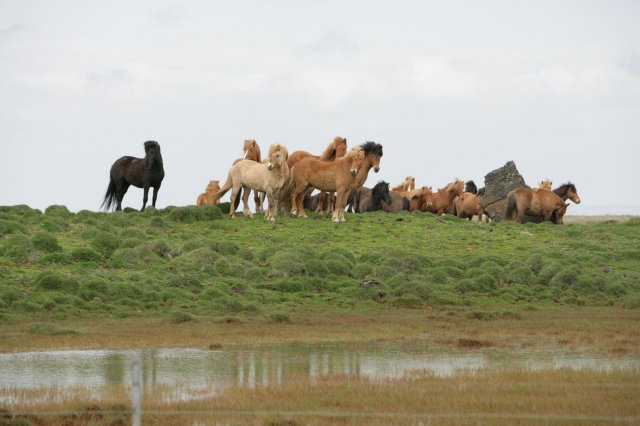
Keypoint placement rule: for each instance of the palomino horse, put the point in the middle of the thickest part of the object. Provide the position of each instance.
(567, 191)
(373, 199)
(419, 199)
(442, 201)
(252, 152)
(336, 149)
(206, 198)
(331, 176)
(541, 202)
(145, 173)
(269, 178)
(545, 184)
(409, 184)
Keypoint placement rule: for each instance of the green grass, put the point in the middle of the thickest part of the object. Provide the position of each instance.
(187, 263)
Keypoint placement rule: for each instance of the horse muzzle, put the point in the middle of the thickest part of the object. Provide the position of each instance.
(269, 166)
(577, 200)
(376, 169)
(354, 172)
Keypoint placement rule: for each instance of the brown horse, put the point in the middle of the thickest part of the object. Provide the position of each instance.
(442, 201)
(336, 149)
(206, 198)
(541, 202)
(398, 203)
(419, 199)
(332, 176)
(252, 152)
(269, 178)
(468, 205)
(409, 184)
(567, 191)
(145, 173)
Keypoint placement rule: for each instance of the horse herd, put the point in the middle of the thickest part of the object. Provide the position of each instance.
(287, 181)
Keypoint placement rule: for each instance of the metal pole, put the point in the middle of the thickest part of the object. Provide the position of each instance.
(136, 391)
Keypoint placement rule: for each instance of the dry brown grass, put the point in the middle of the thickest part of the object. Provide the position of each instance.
(491, 397)
(598, 330)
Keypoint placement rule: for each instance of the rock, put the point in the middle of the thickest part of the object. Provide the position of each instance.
(498, 184)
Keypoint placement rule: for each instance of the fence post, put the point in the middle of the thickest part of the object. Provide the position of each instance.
(136, 391)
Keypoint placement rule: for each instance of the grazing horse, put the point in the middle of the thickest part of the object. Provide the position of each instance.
(468, 205)
(145, 173)
(269, 178)
(442, 201)
(409, 184)
(541, 202)
(567, 191)
(252, 152)
(206, 198)
(336, 149)
(419, 199)
(371, 200)
(331, 176)
(545, 184)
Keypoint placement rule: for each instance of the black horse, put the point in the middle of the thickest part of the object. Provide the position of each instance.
(140, 172)
(371, 200)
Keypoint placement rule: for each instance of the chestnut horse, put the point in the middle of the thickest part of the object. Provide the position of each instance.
(252, 152)
(442, 201)
(331, 176)
(336, 149)
(145, 173)
(468, 205)
(409, 184)
(206, 198)
(269, 178)
(540, 202)
(419, 199)
(567, 191)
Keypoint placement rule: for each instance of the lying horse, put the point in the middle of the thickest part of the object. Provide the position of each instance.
(269, 178)
(419, 199)
(331, 176)
(145, 173)
(398, 203)
(374, 199)
(540, 202)
(206, 198)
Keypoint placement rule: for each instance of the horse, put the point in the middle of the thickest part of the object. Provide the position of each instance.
(409, 184)
(336, 149)
(373, 199)
(541, 202)
(269, 178)
(398, 203)
(442, 201)
(252, 152)
(468, 205)
(206, 198)
(567, 191)
(145, 173)
(332, 176)
(544, 184)
(419, 199)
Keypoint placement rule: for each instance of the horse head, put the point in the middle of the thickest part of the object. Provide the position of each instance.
(568, 190)
(426, 193)
(213, 186)
(545, 184)
(357, 158)
(278, 156)
(153, 158)
(374, 152)
(455, 188)
(409, 183)
(470, 186)
(558, 214)
(340, 146)
(380, 192)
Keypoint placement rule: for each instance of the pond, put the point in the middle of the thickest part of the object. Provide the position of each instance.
(199, 373)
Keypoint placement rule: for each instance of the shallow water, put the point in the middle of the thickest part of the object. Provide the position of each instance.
(198, 373)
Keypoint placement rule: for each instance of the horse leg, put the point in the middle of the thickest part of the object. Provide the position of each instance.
(232, 204)
(271, 209)
(336, 211)
(321, 198)
(245, 203)
(121, 189)
(155, 195)
(257, 199)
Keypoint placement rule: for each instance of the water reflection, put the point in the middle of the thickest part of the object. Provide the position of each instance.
(200, 373)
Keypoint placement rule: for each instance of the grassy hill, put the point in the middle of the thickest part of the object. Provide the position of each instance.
(193, 262)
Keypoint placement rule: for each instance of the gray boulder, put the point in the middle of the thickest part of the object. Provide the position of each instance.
(498, 184)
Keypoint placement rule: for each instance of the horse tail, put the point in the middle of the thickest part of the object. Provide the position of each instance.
(454, 210)
(511, 205)
(110, 198)
(238, 197)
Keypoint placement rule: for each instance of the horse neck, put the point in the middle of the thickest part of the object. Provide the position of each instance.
(363, 173)
(562, 192)
(154, 159)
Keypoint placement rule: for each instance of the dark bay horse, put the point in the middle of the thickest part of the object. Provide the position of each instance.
(371, 200)
(144, 173)
(567, 191)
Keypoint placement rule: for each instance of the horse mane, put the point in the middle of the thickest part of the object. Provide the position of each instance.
(471, 187)
(354, 152)
(279, 147)
(330, 151)
(562, 190)
(481, 191)
(370, 147)
(152, 158)
(251, 144)
(375, 191)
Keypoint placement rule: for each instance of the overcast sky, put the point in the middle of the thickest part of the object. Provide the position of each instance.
(450, 89)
